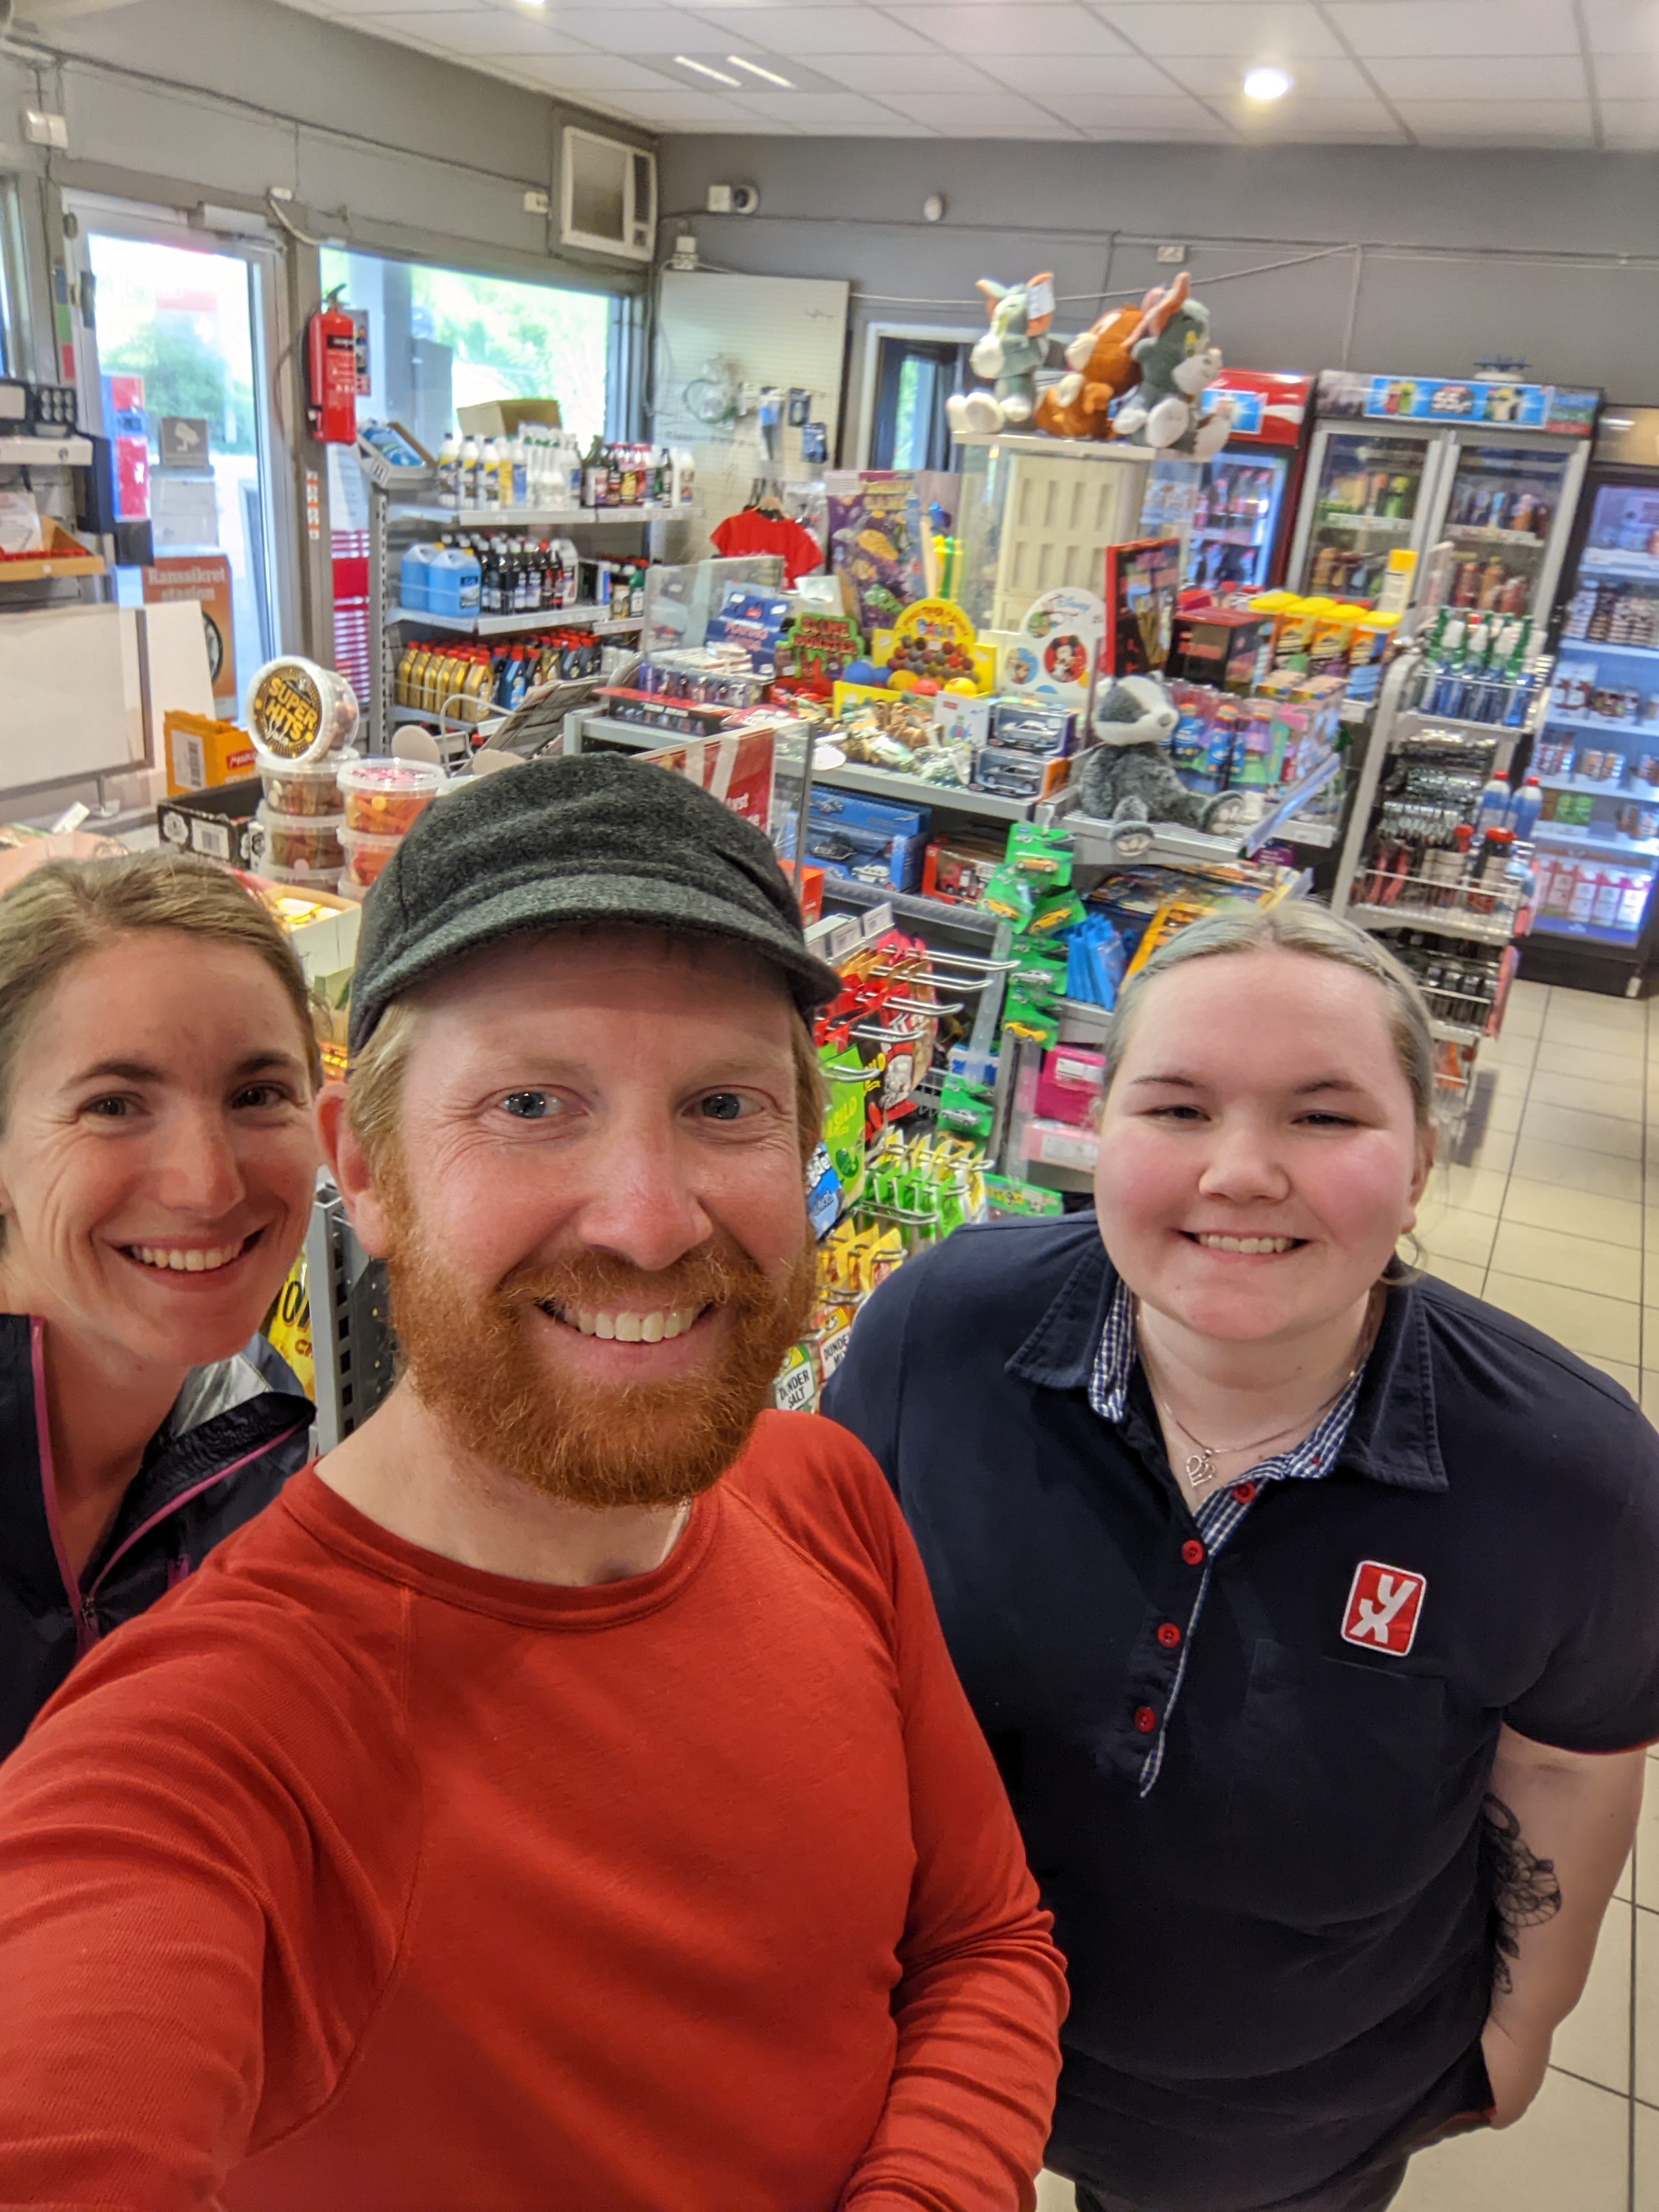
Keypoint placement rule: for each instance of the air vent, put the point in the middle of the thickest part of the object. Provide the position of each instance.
(609, 203)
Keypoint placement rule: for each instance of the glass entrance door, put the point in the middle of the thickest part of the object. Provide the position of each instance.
(175, 356)
(1365, 504)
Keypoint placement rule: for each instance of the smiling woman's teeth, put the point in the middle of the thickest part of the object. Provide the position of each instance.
(1247, 1243)
(186, 1263)
(634, 1327)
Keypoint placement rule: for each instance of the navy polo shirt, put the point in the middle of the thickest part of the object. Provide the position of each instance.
(1280, 1952)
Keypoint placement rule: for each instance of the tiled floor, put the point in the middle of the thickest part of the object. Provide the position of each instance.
(1549, 1207)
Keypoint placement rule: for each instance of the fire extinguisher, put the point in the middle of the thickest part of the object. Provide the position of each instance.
(332, 374)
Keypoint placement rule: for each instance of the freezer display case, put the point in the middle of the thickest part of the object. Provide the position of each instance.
(1248, 495)
(1492, 469)
(1596, 755)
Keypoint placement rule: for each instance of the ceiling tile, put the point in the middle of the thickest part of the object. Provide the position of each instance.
(671, 109)
(1247, 29)
(1499, 78)
(1623, 26)
(884, 73)
(1501, 122)
(1217, 76)
(1114, 75)
(585, 73)
(969, 114)
(1097, 112)
(1631, 123)
(845, 108)
(798, 30)
(358, 8)
(636, 30)
(1303, 119)
(1456, 26)
(485, 33)
(1627, 76)
(1016, 27)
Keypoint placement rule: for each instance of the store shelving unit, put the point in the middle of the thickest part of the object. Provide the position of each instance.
(396, 512)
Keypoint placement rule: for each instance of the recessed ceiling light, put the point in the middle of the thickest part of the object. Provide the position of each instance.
(1267, 84)
(703, 70)
(755, 70)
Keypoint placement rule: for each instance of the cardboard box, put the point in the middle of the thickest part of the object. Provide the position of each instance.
(504, 418)
(202, 753)
(60, 554)
(1225, 647)
(217, 824)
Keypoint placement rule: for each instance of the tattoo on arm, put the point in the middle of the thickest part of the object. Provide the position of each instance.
(1523, 1888)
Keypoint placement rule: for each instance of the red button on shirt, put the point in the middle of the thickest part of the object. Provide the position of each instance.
(1168, 1636)
(1244, 1491)
(1145, 1719)
(1193, 1551)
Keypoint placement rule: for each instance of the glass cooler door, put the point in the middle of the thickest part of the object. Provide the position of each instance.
(1597, 753)
(1237, 522)
(1366, 498)
(1506, 502)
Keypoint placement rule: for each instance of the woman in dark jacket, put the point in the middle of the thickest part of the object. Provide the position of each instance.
(157, 1160)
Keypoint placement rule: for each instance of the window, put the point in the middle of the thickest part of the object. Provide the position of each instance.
(442, 339)
(914, 380)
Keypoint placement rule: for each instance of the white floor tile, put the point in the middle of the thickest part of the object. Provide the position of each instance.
(1578, 1319)
(1646, 1884)
(1542, 1159)
(1054, 2194)
(1569, 2154)
(1588, 1132)
(1647, 1998)
(1449, 1232)
(1575, 1213)
(1616, 1061)
(1552, 1255)
(1622, 1371)
(1466, 1276)
(1644, 2193)
(1476, 1190)
(1594, 2041)
(1625, 1098)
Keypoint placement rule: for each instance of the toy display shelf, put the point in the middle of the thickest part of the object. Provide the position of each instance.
(1095, 842)
(595, 618)
(1278, 821)
(533, 517)
(876, 782)
(1607, 561)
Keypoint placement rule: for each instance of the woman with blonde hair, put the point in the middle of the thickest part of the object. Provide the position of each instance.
(157, 1161)
(1307, 1601)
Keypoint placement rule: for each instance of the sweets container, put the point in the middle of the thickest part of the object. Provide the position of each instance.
(301, 786)
(309, 841)
(297, 710)
(366, 855)
(384, 796)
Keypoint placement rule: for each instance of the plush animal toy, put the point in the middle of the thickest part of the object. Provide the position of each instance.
(1126, 778)
(1103, 369)
(1178, 365)
(1011, 353)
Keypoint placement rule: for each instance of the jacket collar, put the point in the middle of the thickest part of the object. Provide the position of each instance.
(1395, 1435)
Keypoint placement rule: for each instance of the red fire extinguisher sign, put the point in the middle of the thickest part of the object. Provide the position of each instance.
(332, 374)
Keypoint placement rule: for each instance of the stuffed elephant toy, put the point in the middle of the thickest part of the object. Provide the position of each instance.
(1009, 355)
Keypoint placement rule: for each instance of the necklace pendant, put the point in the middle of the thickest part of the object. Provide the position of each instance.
(1201, 1469)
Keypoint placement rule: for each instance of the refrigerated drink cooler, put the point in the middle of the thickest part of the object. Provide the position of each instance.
(1247, 496)
(1596, 754)
(1409, 463)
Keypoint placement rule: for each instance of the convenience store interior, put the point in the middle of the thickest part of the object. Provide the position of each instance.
(753, 233)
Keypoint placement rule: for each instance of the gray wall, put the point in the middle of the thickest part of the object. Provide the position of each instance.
(1444, 256)
(389, 148)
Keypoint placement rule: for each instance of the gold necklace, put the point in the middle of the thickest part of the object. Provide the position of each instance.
(1200, 1466)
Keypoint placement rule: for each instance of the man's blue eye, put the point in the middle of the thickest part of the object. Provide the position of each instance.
(529, 1105)
(723, 1106)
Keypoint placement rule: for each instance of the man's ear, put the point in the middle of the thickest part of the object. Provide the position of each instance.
(349, 1164)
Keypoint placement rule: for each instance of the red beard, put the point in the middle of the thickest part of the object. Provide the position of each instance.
(470, 1360)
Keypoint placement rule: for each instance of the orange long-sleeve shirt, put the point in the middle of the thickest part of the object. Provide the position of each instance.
(354, 1880)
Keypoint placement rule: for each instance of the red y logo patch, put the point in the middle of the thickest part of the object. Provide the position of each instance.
(1384, 1607)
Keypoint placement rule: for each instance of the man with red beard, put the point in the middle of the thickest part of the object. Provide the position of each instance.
(560, 1800)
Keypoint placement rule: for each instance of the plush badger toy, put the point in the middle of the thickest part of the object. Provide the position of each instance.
(1126, 779)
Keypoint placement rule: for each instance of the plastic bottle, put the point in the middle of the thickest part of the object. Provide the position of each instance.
(449, 471)
(1524, 809)
(504, 469)
(489, 475)
(520, 472)
(470, 494)
(1494, 810)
